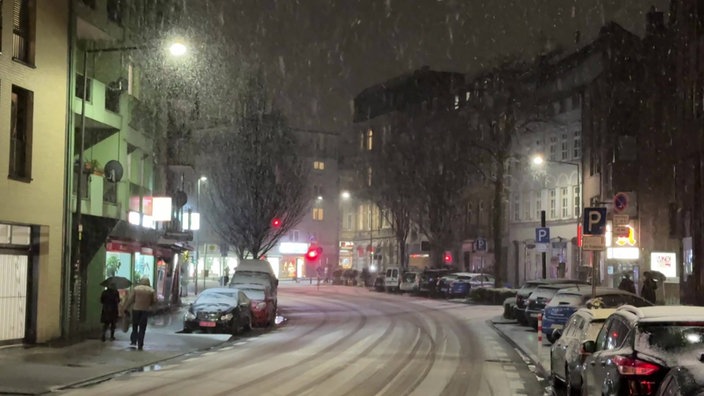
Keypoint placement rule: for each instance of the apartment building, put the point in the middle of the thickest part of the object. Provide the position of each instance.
(34, 62)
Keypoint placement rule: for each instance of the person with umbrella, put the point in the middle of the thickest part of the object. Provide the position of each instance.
(649, 286)
(110, 299)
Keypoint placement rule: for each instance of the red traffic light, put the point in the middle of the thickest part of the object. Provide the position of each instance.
(276, 222)
(447, 258)
(314, 253)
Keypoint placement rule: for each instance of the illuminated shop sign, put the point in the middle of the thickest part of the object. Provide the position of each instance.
(665, 262)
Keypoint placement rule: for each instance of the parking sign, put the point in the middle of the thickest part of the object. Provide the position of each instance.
(594, 221)
(542, 235)
(480, 245)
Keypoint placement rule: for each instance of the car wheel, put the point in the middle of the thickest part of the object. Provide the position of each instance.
(551, 338)
(248, 324)
(571, 390)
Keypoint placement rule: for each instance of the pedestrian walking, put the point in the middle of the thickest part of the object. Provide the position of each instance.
(649, 286)
(141, 300)
(110, 299)
(627, 284)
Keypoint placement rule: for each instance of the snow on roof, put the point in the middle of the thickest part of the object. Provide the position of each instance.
(598, 313)
(670, 313)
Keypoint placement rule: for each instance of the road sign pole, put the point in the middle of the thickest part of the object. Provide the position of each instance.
(544, 254)
(595, 271)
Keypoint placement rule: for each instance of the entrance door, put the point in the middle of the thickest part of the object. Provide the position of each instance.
(13, 296)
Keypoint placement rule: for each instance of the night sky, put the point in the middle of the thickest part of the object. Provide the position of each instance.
(319, 54)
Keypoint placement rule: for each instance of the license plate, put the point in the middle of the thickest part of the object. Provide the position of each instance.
(207, 324)
(534, 315)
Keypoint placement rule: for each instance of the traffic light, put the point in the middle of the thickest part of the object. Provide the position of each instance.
(447, 257)
(314, 253)
(276, 222)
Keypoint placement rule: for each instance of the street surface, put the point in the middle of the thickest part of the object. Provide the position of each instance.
(348, 341)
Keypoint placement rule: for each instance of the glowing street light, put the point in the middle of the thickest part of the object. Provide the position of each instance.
(178, 49)
(345, 195)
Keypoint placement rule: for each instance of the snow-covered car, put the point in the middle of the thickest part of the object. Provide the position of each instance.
(219, 310)
(636, 348)
(262, 303)
(566, 356)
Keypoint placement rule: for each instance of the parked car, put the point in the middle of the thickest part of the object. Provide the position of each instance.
(219, 310)
(539, 298)
(429, 280)
(684, 380)
(566, 355)
(465, 281)
(262, 304)
(443, 284)
(392, 279)
(410, 282)
(567, 301)
(259, 272)
(637, 346)
(527, 288)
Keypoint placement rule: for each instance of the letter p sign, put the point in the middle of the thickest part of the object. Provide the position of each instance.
(594, 221)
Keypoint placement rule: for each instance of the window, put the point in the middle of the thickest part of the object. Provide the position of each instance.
(553, 148)
(564, 148)
(361, 140)
(114, 8)
(319, 165)
(21, 134)
(577, 202)
(318, 214)
(565, 202)
(526, 208)
(370, 140)
(457, 102)
(23, 31)
(79, 87)
(577, 146)
(319, 143)
(538, 203)
(553, 203)
(349, 221)
(369, 176)
(516, 209)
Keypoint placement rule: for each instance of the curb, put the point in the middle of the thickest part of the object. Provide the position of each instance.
(540, 371)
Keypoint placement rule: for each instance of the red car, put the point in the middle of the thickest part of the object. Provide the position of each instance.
(262, 303)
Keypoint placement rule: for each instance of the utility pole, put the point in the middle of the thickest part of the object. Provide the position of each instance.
(544, 253)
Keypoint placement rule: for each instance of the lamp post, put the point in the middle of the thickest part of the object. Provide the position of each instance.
(539, 160)
(176, 49)
(202, 179)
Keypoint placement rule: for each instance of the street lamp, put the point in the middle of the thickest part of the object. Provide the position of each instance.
(539, 160)
(202, 179)
(176, 49)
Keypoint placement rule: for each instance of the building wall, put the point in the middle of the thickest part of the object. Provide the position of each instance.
(40, 201)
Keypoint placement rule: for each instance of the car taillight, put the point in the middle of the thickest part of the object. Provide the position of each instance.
(629, 366)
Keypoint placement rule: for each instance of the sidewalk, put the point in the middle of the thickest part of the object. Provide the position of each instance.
(34, 370)
(525, 339)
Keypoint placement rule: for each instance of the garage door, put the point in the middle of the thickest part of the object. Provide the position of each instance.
(13, 296)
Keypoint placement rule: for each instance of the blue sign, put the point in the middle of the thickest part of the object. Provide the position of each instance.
(594, 221)
(480, 245)
(542, 235)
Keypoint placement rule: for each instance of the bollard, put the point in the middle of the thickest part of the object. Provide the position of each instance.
(540, 330)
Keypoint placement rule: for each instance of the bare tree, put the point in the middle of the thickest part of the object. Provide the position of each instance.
(256, 176)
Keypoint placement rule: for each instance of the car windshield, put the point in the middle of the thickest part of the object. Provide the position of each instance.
(211, 296)
(670, 337)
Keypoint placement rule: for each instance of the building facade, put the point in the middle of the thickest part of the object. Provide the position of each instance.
(33, 100)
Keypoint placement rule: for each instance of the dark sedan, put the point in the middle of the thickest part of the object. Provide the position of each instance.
(225, 310)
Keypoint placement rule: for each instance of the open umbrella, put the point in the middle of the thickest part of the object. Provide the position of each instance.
(120, 282)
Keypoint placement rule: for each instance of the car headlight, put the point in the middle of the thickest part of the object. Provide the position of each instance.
(190, 316)
(228, 316)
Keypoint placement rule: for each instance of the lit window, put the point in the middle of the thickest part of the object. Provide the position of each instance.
(319, 165)
(370, 140)
(21, 134)
(457, 102)
(318, 214)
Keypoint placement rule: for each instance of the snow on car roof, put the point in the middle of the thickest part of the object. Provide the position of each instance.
(670, 313)
(598, 313)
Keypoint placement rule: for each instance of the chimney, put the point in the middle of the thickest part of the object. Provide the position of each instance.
(655, 21)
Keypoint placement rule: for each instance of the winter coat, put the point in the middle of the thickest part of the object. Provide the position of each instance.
(627, 285)
(142, 298)
(648, 290)
(110, 298)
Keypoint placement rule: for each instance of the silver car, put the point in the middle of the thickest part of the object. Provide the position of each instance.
(566, 355)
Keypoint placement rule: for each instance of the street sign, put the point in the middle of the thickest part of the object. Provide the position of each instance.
(594, 221)
(620, 220)
(593, 242)
(542, 235)
(480, 245)
(541, 247)
(620, 202)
